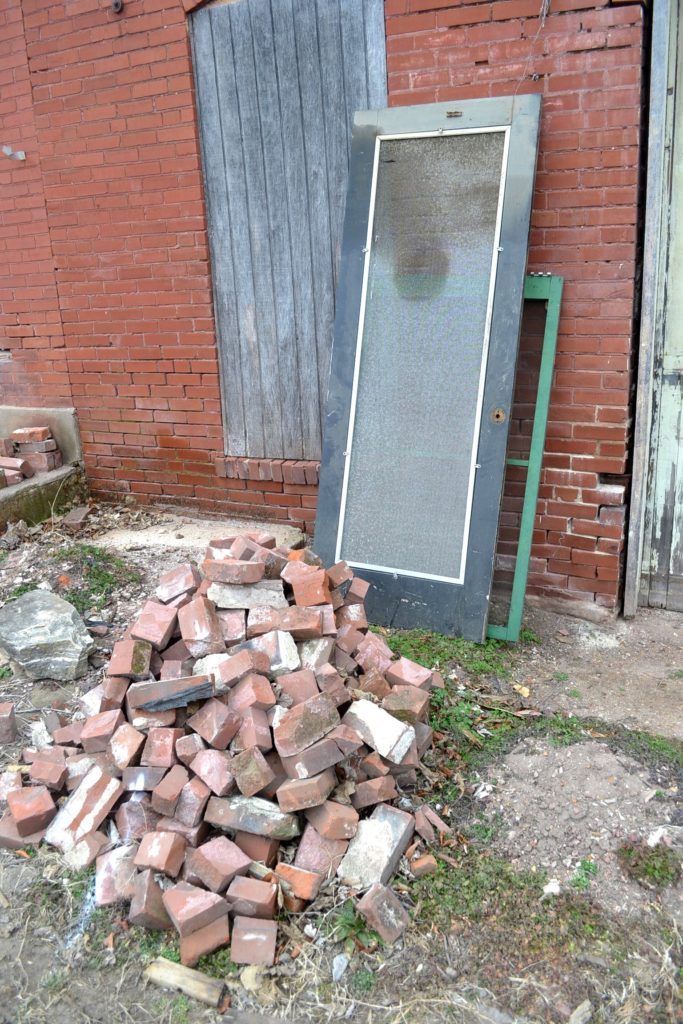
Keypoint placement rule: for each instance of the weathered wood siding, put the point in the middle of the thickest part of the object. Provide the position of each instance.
(278, 82)
(662, 571)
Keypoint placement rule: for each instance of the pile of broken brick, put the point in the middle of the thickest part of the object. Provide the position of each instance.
(249, 742)
(26, 451)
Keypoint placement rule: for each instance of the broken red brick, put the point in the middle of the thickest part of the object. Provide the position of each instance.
(165, 796)
(218, 862)
(299, 686)
(98, 730)
(313, 760)
(194, 835)
(374, 791)
(187, 748)
(251, 897)
(115, 876)
(334, 821)
(233, 625)
(8, 723)
(254, 691)
(253, 942)
(85, 810)
(191, 908)
(47, 772)
(182, 580)
(262, 619)
(159, 750)
(200, 628)
(373, 652)
(130, 658)
(255, 730)
(213, 768)
(86, 851)
(351, 615)
(408, 673)
(215, 723)
(251, 770)
(302, 623)
(155, 624)
(424, 865)
(32, 809)
(407, 703)
(135, 817)
(114, 690)
(125, 746)
(191, 802)
(357, 591)
(231, 570)
(338, 574)
(161, 851)
(142, 779)
(147, 908)
(10, 838)
(69, 734)
(316, 853)
(305, 723)
(25, 435)
(16, 466)
(305, 885)
(384, 913)
(204, 941)
(258, 848)
(311, 588)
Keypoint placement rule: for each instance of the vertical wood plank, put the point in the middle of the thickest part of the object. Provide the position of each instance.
(275, 210)
(313, 121)
(247, 340)
(216, 189)
(338, 120)
(299, 227)
(375, 54)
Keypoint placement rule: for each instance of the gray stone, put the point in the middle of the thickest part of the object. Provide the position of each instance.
(280, 649)
(377, 847)
(45, 635)
(236, 595)
(251, 814)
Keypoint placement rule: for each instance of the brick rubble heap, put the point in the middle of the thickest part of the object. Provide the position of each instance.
(248, 743)
(27, 451)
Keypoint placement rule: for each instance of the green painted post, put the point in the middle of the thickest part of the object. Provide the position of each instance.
(549, 288)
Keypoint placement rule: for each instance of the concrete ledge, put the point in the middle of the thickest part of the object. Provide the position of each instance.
(587, 610)
(62, 423)
(35, 499)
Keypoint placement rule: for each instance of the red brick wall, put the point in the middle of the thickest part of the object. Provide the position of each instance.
(105, 298)
(30, 320)
(586, 62)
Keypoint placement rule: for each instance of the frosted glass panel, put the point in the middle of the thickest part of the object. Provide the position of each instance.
(410, 472)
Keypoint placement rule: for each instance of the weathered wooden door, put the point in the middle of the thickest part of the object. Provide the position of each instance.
(662, 567)
(278, 82)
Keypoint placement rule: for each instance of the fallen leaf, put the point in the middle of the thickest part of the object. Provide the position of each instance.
(109, 941)
(524, 691)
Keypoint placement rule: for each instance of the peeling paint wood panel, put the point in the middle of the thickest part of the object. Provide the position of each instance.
(278, 82)
(663, 566)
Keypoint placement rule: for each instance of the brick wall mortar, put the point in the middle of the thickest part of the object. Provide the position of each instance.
(108, 302)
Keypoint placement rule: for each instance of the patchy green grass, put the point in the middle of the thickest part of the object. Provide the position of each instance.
(574, 694)
(348, 927)
(484, 890)
(430, 649)
(676, 674)
(586, 871)
(101, 572)
(654, 867)
(362, 982)
(561, 677)
(182, 1010)
(5, 672)
(20, 590)
(218, 964)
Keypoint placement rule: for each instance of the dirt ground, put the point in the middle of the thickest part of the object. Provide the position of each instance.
(534, 915)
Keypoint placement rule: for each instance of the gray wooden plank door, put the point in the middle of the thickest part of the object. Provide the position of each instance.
(278, 83)
(662, 568)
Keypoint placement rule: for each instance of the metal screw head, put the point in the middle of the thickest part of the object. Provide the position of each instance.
(117, 6)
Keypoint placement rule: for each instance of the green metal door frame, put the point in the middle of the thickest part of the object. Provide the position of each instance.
(548, 288)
